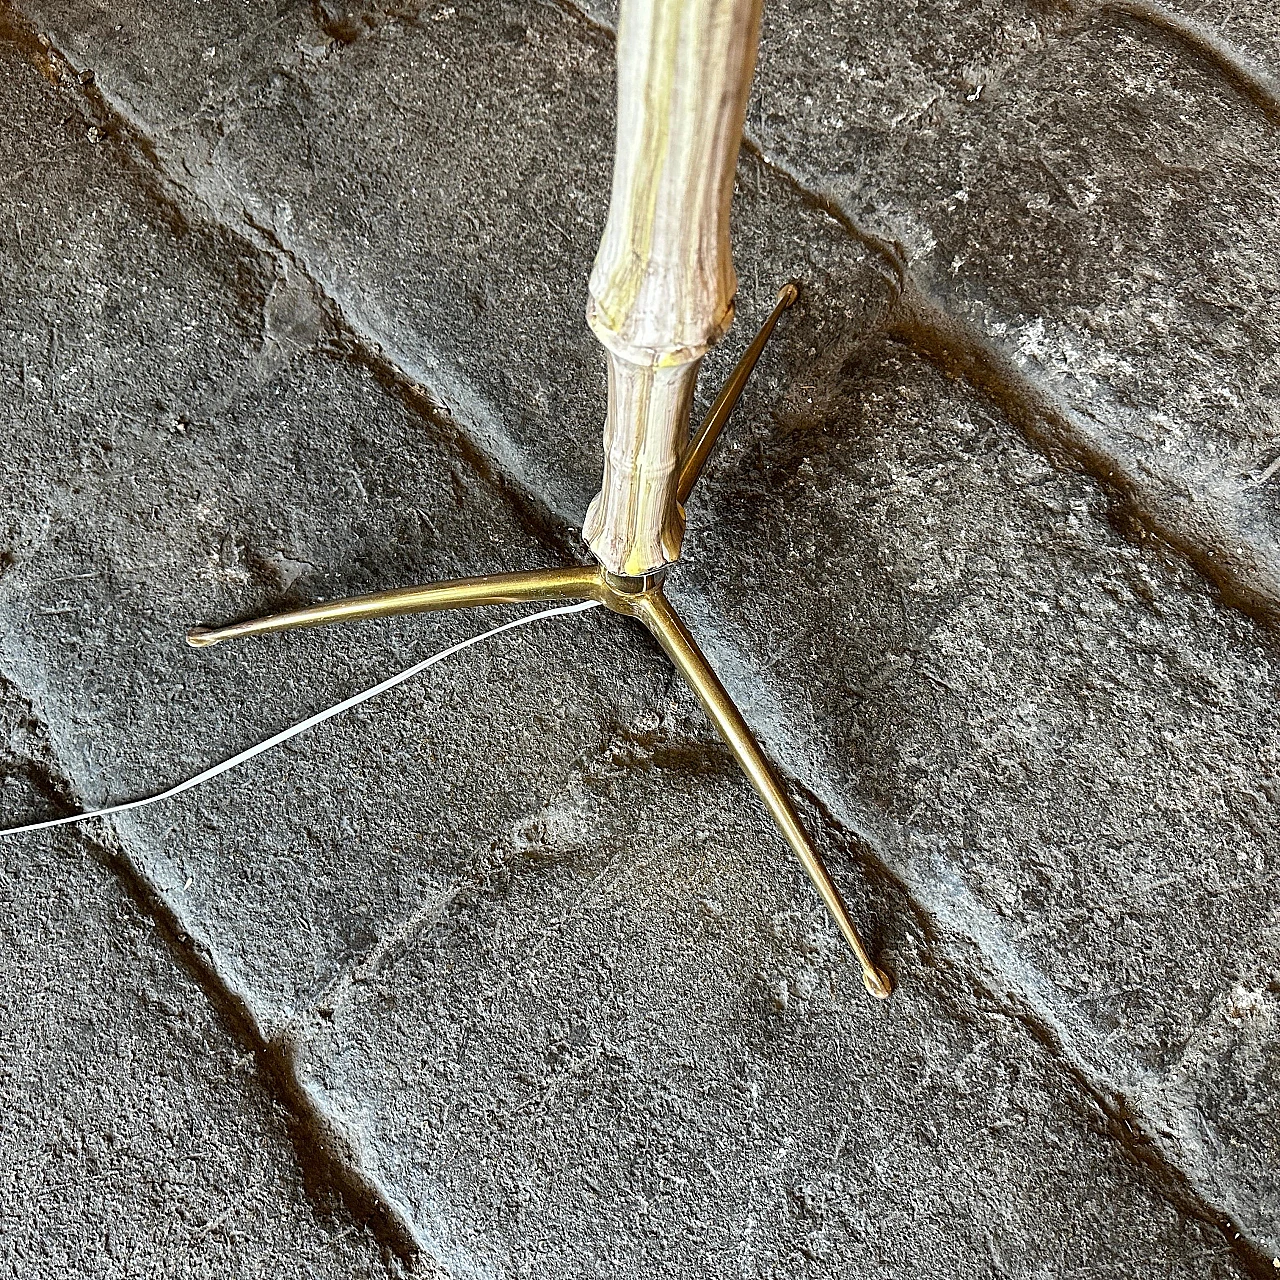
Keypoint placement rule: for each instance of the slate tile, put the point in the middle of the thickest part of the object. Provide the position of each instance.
(136, 1133)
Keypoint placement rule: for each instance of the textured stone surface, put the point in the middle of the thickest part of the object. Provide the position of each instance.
(1240, 38)
(136, 1136)
(462, 251)
(1058, 740)
(332, 480)
(497, 917)
(637, 1048)
(1098, 203)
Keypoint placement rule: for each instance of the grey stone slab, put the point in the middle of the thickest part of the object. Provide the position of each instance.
(244, 467)
(1231, 35)
(445, 179)
(136, 1137)
(1054, 735)
(631, 1046)
(1097, 201)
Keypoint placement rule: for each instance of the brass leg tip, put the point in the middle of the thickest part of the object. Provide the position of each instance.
(878, 983)
(788, 293)
(199, 638)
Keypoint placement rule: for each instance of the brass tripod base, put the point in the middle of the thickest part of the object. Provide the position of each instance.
(640, 598)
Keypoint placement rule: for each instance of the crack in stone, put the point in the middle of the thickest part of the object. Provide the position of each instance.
(328, 1155)
(961, 349)
(974, 963)
(1061, 434)
(1127, 1127)
(1255, 82)
(624, 749)
(448, 402)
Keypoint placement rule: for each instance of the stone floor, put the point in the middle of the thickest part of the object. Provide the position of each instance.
(506, 973)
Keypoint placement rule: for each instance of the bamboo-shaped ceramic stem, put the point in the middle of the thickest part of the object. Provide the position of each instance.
(662, 288)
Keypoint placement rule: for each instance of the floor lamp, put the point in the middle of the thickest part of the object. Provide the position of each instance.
(661, 295)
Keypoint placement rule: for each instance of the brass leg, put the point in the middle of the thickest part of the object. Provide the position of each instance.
(699, 448)
(653, 609)
(497, 588)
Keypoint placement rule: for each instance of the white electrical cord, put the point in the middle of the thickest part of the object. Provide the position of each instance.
(302, 726)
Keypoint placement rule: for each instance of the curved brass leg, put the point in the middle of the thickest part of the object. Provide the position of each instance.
(699, 448)
(497, 588)
(653, 609)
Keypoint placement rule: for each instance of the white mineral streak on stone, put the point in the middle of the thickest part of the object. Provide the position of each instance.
(663, 284)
